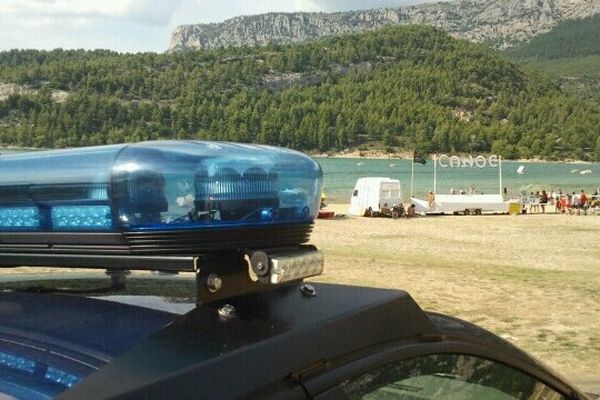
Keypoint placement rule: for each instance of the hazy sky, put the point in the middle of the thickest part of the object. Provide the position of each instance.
(136, 25)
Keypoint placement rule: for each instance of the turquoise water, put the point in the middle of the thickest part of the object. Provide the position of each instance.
(340, 175)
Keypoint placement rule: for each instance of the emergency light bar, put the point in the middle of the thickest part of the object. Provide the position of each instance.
(156, 198)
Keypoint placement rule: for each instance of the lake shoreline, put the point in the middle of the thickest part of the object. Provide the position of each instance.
(407, 155)
(357, 154)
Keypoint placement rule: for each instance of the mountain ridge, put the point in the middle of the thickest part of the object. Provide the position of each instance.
(500, 24)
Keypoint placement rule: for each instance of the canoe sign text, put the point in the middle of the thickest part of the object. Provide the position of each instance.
(446, 161)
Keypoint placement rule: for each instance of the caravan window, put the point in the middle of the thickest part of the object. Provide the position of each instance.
(355, 193)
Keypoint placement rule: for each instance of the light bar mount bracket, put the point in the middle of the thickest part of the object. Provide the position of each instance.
(223, 277)
(218, 276)
(233, 274)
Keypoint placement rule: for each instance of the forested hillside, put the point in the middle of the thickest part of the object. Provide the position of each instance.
(572, 38)
(403, 87)
(568, 55)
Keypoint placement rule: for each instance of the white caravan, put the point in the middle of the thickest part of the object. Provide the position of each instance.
(370, 195)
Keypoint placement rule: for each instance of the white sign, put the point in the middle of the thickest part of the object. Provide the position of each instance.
(446, 161)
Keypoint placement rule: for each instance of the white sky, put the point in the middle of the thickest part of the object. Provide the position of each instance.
(136, 25)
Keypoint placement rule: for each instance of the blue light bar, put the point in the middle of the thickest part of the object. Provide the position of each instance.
(81, 217)
(16, 362)
(61, 377)
(19, 218)
(158, 186)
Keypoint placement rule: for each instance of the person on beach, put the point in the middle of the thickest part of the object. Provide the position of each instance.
(410, 211)
(472, 189)
(533, 201)
(565, 205)
(431, 200)
(543, 200)
(575, 202)
(523, 201)
(583, 202)
(323, 201)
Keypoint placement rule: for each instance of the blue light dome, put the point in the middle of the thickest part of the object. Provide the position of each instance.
(157, 186)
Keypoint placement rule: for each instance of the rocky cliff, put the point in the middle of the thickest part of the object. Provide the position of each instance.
(499, 23)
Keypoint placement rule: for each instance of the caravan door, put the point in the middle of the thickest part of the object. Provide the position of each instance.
(390, 193)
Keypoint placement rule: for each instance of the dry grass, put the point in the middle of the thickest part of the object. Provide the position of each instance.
(533, 279)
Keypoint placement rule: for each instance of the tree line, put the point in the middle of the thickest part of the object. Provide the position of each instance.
(401, 87)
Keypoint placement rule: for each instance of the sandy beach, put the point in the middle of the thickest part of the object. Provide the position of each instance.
(532, 279)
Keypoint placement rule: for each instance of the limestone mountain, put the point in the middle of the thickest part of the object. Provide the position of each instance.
(499, 23)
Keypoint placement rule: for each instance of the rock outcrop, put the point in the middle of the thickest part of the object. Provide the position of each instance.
(499, 23)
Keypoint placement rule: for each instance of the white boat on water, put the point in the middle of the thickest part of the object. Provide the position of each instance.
(575, 171)
(585, 172)
(521, 170)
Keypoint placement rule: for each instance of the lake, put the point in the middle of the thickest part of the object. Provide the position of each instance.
(340, 175)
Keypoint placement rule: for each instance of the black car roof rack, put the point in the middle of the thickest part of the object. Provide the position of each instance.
(218, 276)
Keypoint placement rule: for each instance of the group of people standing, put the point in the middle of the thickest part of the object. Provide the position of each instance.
(564, 203)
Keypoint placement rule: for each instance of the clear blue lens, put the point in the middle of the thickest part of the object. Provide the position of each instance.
(81, 217)
(61, 377)
(19, 218)
(195, 185)
(16, 362)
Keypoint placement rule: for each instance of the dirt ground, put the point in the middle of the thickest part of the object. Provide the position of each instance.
(533, 279)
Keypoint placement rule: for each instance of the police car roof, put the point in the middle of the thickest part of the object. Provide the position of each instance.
(279, 335)
(271, 333)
